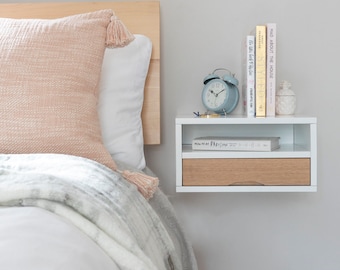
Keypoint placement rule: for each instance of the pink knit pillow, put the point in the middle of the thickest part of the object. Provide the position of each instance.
(49, 74)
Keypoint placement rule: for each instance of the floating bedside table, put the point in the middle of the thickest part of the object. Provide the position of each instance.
(291, 168)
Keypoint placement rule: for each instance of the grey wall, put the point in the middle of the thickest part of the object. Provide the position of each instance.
(258, 231)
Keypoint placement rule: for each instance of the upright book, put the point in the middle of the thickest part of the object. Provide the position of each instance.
(248, 86)
(236, 143)
(260, 70)
(271, 69)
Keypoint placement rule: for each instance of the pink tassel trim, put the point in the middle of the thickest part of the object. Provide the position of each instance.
(117, 34)
(146, 185)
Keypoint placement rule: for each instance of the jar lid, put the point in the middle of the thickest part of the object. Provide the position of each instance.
(285, 89)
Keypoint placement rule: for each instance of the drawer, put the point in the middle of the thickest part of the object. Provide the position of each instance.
(246, 171)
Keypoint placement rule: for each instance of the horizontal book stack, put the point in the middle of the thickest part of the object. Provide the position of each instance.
(259, 71)
(213, 143)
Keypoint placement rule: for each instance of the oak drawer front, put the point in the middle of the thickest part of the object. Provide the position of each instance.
(246, 171)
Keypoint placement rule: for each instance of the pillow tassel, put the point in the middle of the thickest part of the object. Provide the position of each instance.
(146, 184)
(117, 34)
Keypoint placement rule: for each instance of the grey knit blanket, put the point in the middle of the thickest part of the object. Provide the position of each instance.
(94, 198)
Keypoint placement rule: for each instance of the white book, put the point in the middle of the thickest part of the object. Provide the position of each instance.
(248, 86)
(236, 143)
(260, 32)
(271, 69)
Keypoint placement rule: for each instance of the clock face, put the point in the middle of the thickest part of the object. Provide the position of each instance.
(215, 94)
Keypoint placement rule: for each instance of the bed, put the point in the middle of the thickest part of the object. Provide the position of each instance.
(80, 97)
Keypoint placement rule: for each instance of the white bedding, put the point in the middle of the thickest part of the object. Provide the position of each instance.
(89, 207)
(35, 239)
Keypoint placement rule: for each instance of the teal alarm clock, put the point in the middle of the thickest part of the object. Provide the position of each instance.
(220, 93)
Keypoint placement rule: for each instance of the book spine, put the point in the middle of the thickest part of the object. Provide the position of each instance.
(271, 69)
(260, 70)
(248, 86)
(234, 145)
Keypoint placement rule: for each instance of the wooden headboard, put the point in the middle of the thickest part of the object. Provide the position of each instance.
(139, 17)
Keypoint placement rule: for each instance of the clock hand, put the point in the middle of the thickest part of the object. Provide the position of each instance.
(212, 92)
(219, 92)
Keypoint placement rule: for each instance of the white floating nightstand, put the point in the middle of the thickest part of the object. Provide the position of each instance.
(291, 168)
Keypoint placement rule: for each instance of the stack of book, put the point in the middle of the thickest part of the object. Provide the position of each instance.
(259, 71)
(236, 143)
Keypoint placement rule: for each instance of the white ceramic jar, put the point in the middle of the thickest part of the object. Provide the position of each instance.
(285, 99)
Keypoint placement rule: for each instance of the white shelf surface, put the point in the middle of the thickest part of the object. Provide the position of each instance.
(239, 119)
(195, 189)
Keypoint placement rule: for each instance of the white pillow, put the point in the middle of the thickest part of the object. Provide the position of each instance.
(121, 98)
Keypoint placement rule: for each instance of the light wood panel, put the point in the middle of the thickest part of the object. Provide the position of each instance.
(249, 171)
(139, 17)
